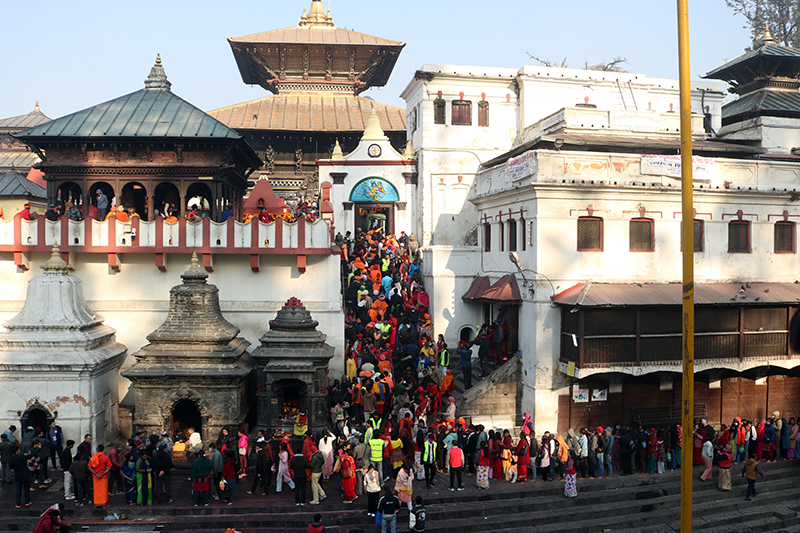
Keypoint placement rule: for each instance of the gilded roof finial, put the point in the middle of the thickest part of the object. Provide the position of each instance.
(36, 107)
(767, 37)
(158, 58)
(158, 77)
(316, 15)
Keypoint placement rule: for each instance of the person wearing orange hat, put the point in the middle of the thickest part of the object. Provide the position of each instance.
(26, 212)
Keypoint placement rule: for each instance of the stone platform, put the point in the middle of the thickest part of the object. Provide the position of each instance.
(620, 504)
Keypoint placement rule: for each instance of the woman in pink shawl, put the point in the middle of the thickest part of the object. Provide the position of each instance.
(527, 426)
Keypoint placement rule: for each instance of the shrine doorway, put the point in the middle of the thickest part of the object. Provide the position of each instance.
(199, 196)
(185, 415)
(375, 216)
(167, 200)
(134, 195)
(37, 416)
(291, 399)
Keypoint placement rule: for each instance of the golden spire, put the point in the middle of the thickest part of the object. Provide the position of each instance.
(767, 37)
(158, 58)
(316, 16)
(409, 151)
(36, 107)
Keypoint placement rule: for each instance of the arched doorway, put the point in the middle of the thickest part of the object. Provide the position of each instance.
(69, 192)
(167, 200)
(466, 334)
(105, 188)
(134, 195)
(185, 415)
(36, 416)
(374, 200)
(199, 195)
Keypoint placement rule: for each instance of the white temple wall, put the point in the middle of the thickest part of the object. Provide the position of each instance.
(135, 300)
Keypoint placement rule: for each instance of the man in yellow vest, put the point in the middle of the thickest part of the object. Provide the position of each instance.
(429, 461)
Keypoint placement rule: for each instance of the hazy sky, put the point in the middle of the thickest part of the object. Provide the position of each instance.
(72, 55)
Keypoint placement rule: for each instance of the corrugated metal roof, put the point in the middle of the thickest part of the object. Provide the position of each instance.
(17, 184)
(21, 160)
(763, 100)
(504, 290)
(315, 35)
(310, 112)
(146, 113)
(766, 50)
(479, 286)
(34, 118)
(660, 294)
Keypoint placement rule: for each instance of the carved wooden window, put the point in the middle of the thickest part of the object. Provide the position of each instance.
(590, 234)
(512, 235)
(784, 237)
(483, 114)
(739, 237)
(438, 111)
(641, 235)
(487, 237)
(462, 113)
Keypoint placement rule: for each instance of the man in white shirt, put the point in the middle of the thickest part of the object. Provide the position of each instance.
(195, 441)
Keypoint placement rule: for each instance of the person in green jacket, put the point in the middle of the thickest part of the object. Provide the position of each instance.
(316, 464)
(376, 446)
(444, 359)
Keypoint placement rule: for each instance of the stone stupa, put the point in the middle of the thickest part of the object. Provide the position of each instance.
(194, 371)
(58, 361)
(292, 370)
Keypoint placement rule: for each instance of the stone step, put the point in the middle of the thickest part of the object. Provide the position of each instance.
(620, 498)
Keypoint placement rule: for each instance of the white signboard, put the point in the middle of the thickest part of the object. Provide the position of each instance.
(635, 121)
(670, 165)
(579, 395)
(521, 166)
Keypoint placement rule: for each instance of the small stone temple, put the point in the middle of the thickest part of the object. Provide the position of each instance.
(58, 361)
(292, 370)
(193, 372)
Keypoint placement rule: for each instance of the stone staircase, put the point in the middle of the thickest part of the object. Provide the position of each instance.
(621, 504)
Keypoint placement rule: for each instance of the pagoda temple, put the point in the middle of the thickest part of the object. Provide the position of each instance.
(193, 373)
(767, 112)
(316, 72)
(150, 150)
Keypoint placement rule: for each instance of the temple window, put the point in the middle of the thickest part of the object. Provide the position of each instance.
(461, 113)
(483, 114)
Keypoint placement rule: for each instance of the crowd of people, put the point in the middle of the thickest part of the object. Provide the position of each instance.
(393, 424)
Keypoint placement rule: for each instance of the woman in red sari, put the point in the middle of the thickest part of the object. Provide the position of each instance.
(496, 450)
(99, 465)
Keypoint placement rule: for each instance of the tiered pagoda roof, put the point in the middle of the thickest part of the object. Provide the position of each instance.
(315, 56)
(767, 80)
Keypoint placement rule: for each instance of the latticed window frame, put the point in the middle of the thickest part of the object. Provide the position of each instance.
(483, 114)
(461, 113)
(439, 108)
(782, 248)
(587, 221)
(512, 235)
(646, 225)
(735, 226)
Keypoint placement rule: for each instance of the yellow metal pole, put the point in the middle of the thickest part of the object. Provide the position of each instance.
(687, 245)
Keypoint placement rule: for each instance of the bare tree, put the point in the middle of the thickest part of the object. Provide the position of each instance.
(782, 17)
(611, 66)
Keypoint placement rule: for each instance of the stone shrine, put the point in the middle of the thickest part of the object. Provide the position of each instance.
(292, 370)
(194, 371)
(58, 361)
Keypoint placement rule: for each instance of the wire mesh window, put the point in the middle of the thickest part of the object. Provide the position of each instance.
(438, 111)
(483, 114)
(641, 235)
(699, 230)
(487, 237)
(590, 234)
(512, 235)
(739, 236)
(461, 113)
(784, 237)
